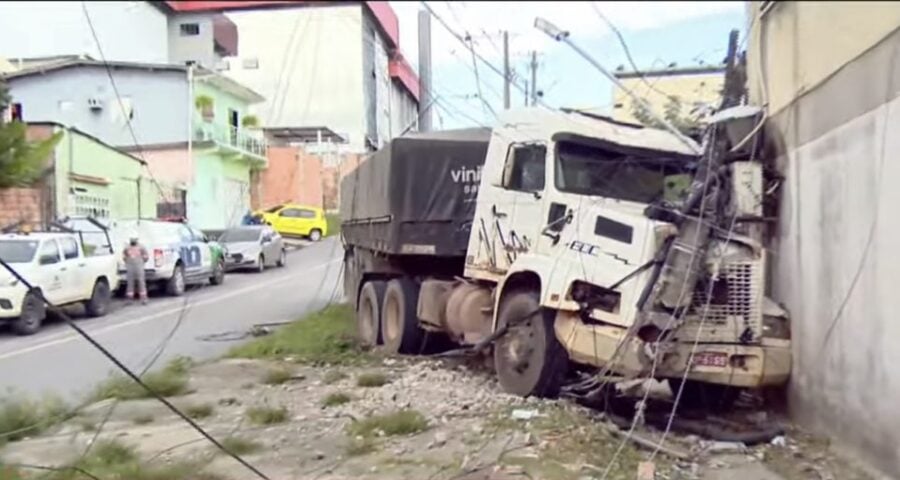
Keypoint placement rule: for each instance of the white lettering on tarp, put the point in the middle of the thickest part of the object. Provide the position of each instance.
(466, 175)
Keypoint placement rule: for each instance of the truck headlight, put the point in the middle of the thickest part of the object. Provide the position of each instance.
(776, 327)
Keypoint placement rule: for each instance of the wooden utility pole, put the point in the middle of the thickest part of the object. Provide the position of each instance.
(534, 89)
(506, 76)
(425, 71)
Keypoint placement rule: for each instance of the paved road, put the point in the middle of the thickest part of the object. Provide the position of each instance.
(58, 360)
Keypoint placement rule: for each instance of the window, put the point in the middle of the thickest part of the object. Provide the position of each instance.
(69, 248)
(307, 214)
(588, 170)
(290, 213)
(250, 63)
(524, 170)
(190, 29)
(16, 112)
(18, 251)
(49, 253)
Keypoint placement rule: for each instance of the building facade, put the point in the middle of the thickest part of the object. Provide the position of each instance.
(698, 90)
(829, 74)
(336, 65)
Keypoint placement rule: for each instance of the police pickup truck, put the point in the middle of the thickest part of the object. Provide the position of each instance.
(56, 265)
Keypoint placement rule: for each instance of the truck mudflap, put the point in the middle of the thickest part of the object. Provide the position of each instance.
(748, 366)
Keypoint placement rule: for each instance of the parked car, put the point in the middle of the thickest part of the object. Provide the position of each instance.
(297, 220)
(57, 265)
(253, 246)
(180, 254)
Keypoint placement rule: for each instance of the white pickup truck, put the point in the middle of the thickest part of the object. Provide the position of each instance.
(56, 264)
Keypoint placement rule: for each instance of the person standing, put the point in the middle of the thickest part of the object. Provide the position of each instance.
(135, 255)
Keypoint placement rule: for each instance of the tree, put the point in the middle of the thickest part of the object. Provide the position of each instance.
(21, 161)
(687, 123)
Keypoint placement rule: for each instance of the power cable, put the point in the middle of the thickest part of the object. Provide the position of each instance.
(121, 366)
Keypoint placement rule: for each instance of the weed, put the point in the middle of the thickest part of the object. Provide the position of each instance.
(336, 398)
(21, 417)
(277, 376)
(267, 415)
(401, 422)
(333, 376)
(333, 224)
(143, 419)
(241, 446)
(325, 337)
(199, 411)
(168, 382)
(371, 380)
(356, 447)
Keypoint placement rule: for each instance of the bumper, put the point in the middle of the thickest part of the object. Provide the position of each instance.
(747, 366)
(11, 302)
(237, 261)
(150, 275)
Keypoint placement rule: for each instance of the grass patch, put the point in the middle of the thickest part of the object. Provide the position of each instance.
(199, 411)
(401, 422)
(369, 380)
(267, 415)
(277, 376)
(333, 376)
(241, 446)
(112, 460)
(357, 448)
(333, 224)
(325, 337)
(22, 417)
(169, 382)
(335, 399)
(143, 419)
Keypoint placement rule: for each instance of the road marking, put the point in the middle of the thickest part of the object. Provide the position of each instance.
(103, 330)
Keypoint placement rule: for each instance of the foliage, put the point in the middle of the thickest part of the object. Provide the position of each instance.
(22, 417)
(112, 460)
(334, 224)
(277, 376)
(197, 412)
(168, 382)
(686, 122)
(401, 422)
(250, 121)
(371, 380)
(336, 398)
(324, 337)
(267, 415)
(333, 376)
(21, 161)
(241, 446)
(203, 102)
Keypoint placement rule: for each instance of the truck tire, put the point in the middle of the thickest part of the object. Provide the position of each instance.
(368, 312)
(33, 313)
(218, 276)
(399, 324)
(175, 286)
(704, 396)
(529, 360)
(98, 304)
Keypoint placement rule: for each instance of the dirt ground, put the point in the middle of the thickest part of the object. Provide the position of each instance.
(471, 430)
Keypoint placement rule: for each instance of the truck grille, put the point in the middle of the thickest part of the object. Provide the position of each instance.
(736, 299)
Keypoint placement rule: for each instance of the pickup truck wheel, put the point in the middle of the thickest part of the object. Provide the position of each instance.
(33, 313)
(529, 359)
(261, 264)
(368, 313)
(315, 235)
(218, 276)
(98, 304)
(175, 285)
(704, 396)
(282, 259)
(399, 325)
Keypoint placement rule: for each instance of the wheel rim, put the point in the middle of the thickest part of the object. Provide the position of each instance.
(30, 311)
(262, 264)
(101, 295)
(519, 347)
(366, 322)
(391, 318)
(518, 357)
(316, 235)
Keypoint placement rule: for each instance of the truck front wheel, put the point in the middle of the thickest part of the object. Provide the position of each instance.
(399, 324)
(33, 313)
(368, 312)
(529, 359)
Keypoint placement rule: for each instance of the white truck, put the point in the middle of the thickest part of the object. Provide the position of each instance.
(560, 238)
(55, 264)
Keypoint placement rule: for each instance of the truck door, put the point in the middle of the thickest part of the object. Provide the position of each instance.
(51, 272)
(75, 279)
(516, 211)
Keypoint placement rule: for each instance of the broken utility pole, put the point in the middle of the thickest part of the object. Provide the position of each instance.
(534, 90)
(506, 76)
(425, 95)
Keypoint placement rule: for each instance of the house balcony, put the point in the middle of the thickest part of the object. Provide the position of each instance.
(234, 142)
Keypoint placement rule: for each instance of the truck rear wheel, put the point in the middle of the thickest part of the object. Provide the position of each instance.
(399, 323)
(368, 312)
(529, 359)
(98, 304)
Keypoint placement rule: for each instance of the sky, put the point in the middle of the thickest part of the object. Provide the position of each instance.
(657, 34)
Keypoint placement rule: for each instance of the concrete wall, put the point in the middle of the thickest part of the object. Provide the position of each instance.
(220, 194)
(309, 66)
(20, 204)
(696, 88)
(292, 176)
(404, 111)
(199, 48)
(158, 99)
(128, 31)
(832, 80)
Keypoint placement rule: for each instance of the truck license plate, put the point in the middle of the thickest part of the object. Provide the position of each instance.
(711, 359)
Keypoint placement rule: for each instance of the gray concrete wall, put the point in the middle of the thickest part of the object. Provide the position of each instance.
(128, 31)
(835, 266)
(159, 101)
(199, 48)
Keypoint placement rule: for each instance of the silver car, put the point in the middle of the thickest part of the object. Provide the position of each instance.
(253, 247)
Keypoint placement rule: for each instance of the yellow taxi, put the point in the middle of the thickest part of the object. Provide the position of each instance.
(296, 220)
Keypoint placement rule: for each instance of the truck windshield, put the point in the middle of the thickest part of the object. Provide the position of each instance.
(240, 235)
(18, 251)
(588, 170)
